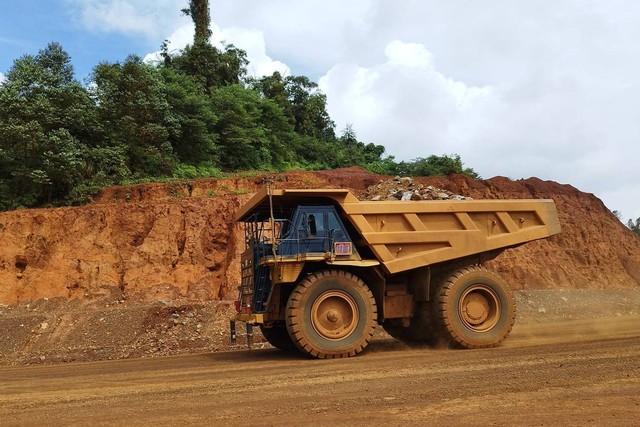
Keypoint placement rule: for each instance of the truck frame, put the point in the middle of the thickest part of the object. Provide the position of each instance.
(321, 268)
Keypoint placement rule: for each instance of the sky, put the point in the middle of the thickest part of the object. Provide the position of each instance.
(519, 88)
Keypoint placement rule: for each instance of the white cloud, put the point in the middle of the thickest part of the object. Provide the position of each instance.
(147, 18)
(404, 103)
(2, 77)
(178, 40)
(252, 42)
(410, 55)
(308, 36)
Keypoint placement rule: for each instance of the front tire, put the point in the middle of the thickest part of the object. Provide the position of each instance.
(474, 308)
(331, 314)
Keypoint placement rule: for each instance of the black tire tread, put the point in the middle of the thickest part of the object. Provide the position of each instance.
(278, 336)
(443, 317)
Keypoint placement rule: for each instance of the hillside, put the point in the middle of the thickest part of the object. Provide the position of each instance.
(177, 241)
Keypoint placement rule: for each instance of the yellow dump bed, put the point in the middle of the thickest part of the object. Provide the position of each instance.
(404, 235)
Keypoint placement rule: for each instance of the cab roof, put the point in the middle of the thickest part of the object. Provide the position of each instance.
(286, 200)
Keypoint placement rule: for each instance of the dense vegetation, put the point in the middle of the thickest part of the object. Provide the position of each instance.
(195, 114)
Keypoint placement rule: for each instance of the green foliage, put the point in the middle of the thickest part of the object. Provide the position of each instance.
(353, 152)
(45, 116)
(183, 171)
(632, 225)
(132, 103)
(239, 128)
(302, 103)
(193, 119)
(252, 131)
(435, 165)
(383, 166)
(209, 66)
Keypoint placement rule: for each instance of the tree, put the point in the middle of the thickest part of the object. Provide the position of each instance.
(195, 138)
(436, 165)
(280, 137)
(211, 67)
(132, 102)
(273, 87)
(354, 152)
(634, 226)
(46, 121)
(239, 128)
(198, 10)
(253, 132)
(303, 104)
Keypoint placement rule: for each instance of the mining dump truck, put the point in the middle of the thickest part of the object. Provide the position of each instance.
(321, 269)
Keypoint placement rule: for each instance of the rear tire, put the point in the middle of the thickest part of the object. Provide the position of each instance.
(278, 336)
(331, 314)
(474, 308)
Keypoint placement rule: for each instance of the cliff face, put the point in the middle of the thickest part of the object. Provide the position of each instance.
(178, 241)
(159, 249)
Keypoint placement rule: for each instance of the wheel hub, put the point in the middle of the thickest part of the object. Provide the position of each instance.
(476, 309)
(479, 308)
(334, 315)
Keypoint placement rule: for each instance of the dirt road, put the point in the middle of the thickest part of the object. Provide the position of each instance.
(566, 373)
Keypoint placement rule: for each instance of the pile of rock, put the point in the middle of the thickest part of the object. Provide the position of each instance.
(406, 189)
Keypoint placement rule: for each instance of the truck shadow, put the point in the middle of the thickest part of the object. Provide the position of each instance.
(387, 345)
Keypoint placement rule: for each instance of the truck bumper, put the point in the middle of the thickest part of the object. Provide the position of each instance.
(250, 317)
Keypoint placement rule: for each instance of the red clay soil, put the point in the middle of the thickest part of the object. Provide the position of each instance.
(153, 242)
